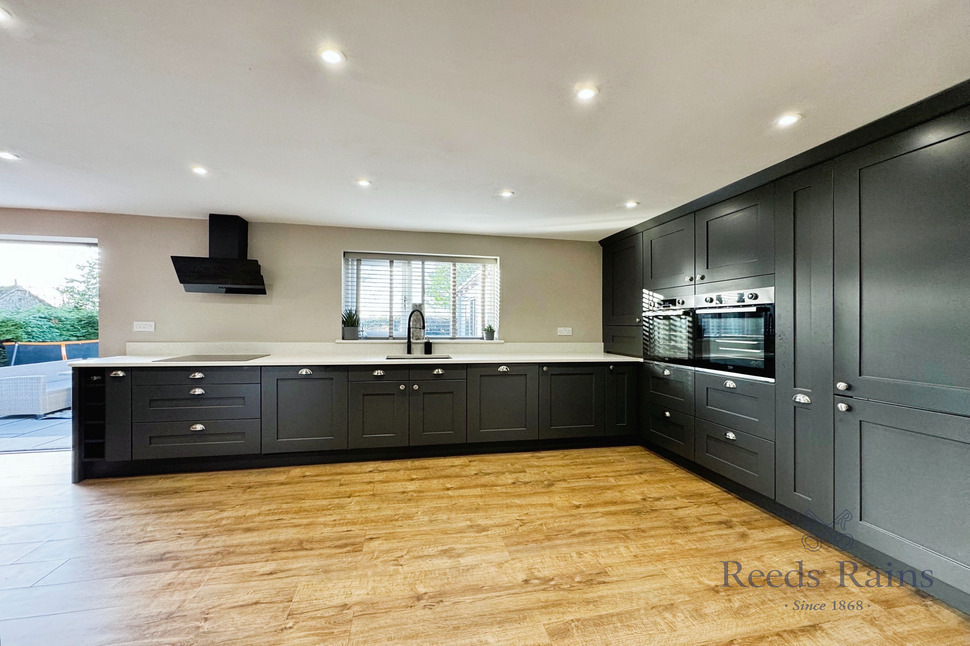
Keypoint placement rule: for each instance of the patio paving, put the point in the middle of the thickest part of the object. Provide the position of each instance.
(52, 433)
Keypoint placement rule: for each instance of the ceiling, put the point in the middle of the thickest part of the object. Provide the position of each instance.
(443, 103)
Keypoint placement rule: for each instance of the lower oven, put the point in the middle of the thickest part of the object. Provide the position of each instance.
(668, 326)
(735, 332)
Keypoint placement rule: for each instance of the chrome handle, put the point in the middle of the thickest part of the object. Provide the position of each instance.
(611, 368)
(666, 372)
(402, 387)
(196, 391)
(689, 279)
(117, 373)
(636, 319)
(197, 427)
(845, 408)
(730, 436)
(305, 371)
(197, 375)
(415, 387)
(437, 371)
(842, 385)
(378, 373)
(666, 413)
(729, 384)
(700, 276)
(503, 368)
(801, 399)
(95, 377)
(545, 368)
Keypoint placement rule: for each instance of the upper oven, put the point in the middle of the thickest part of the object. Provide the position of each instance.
(735, 331)
(668, 325)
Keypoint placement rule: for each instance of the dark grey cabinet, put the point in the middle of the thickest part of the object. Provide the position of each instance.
(623, 339)
(744, 404)
(622, 291)
(621, 398)
(805, 429)
(572, 400)
(668, 386)
(189, 402)
(902, 231)
(747, 459)
(117, 414)
(208, 438)
(668, 254)
(668, 428)
(904, 477)
(735, 238)
(437, 412)
(503, 402)
(378, 414)
(304, 408)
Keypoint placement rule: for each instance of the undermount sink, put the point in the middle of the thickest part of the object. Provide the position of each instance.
(408, 357)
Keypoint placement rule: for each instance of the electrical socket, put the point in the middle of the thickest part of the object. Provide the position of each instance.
(565, 331)
(144, 326)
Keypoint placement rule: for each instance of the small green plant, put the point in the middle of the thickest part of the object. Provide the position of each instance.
(350, 318)
(488, 329)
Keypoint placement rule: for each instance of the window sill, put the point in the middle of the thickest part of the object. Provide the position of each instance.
(433, 340)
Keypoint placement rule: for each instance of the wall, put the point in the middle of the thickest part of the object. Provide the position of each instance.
(545, 283)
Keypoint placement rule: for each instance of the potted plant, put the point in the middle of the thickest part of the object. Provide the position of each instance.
(351, 325)
(489, 332)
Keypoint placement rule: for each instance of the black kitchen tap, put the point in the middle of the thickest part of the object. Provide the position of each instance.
(411, 328)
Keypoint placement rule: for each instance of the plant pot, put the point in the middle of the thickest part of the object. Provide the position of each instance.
(350, 334)
(490, 336)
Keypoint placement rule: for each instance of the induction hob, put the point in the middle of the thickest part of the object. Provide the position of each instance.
(193, 358)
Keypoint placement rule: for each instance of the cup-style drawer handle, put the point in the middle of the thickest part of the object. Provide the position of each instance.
(378, 373)
(117, 373)
(196, 391)
(730, 436)
(801, 399)
(197, 427)
(729, 384)
(197, 375)
(305, 371)
(437, 371)
(666, 413)
(666, 372)
(503, 368)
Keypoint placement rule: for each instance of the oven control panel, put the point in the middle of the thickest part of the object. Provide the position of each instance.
(754, 296)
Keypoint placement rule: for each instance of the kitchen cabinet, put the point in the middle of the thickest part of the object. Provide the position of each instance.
(668, 386)
(902, 319)
(205, 438)
(744, 458)
(668, 254)
(668, 428)
(437, 412)
(101, 414)
(904, 477)
(622, 290)
(623, 339)
(378, 414)
(621, 398)
(805, 428)
(572, 400)
(304, 408)
(736, 402)
(735, 238)
(503, 402)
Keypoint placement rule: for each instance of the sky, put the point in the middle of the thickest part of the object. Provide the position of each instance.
(42, 267)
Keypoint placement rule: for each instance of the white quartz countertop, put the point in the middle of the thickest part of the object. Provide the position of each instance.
(127, 361)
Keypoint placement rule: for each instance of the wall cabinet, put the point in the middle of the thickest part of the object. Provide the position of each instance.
(622, 380)
(304, 408)
(503, 402)
(622, 293)
(735, 238)
(668, 254)
(805, 429)
(572, 401)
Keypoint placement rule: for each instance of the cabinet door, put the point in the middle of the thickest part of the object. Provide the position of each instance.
(437, 412)
(503, 402)
(378, 414)
(117, 415)
(572, 401)
(622, 291)
(623, 339)
(304, 409)
(621, 398)
(904, 476)
(735, 238)
(804, 474)
(902, 231)
(668, 254)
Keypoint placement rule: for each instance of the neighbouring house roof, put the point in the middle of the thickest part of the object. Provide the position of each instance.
(15, 297)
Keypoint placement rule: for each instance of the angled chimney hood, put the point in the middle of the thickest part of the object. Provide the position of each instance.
(227, 270)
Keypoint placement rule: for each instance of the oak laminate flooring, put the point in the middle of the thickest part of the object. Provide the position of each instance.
(592, 546)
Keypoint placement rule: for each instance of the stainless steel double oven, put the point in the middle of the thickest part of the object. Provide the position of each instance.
(731, 331)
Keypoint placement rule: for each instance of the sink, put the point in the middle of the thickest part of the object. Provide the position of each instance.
(408, 357)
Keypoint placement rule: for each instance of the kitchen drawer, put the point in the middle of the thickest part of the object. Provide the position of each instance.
(744, 458)
(195, 376)
(190, 439)
(743, 404)
(441, 371)
(668, 386)
(177, 403)
(379, 373)
(668, 428)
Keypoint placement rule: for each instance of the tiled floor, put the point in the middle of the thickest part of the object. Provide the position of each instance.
(52, 433)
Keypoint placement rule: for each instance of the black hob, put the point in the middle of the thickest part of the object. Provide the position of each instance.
(196, 358)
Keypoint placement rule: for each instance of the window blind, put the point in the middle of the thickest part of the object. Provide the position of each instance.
(460, 294)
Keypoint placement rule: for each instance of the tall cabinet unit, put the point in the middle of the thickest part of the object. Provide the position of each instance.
(804, 460)
(902, 324)
(622, 296)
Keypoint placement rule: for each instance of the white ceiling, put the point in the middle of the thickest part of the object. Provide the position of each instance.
(443, 103)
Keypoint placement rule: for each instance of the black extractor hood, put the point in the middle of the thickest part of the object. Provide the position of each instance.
(228, 269)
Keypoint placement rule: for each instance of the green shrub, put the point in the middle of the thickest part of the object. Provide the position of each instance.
(49, 324)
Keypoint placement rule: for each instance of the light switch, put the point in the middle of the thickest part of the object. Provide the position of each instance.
(144, 326)
(565, 331)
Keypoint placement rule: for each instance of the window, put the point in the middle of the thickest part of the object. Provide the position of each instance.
(460, 294)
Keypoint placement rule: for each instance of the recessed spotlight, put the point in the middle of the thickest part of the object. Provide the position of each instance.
(5, 16)
(586, 92)
(630, 204)
(199, 170)
(9, 156)
(332, 56)
(786, 120)
(506, 193)
(363, 181)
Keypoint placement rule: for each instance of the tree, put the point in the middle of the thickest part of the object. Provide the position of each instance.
(82, 293)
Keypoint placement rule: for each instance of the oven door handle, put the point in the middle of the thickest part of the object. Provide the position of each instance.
(726, 310)
(665, 313)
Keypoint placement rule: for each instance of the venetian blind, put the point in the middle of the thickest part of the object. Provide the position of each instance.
(460, 294)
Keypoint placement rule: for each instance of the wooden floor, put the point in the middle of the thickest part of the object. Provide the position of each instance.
(593, 546)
